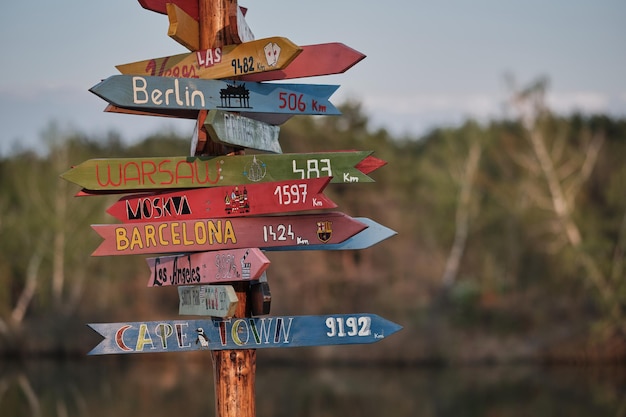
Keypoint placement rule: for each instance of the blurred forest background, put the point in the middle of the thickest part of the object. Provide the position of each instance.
(510, 244)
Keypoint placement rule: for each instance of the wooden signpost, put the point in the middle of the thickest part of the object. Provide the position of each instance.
(233, 201)
(154, 93)
(222, 62)
(125, 174)
(219, 233)
(215, 211)
(241, 333)
(215, 267)
(207, 300)
(234, 129)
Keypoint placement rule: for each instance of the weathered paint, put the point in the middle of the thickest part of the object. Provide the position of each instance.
(230, 61)
(241, 333)
(207, 300)
(123, 174)
(149, 93)
(233, 129)
(218, 234)
(207, 267)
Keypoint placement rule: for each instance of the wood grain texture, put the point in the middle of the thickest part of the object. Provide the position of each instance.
(183, 28)
(234, 129)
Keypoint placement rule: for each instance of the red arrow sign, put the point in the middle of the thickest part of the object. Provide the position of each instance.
(233, 201)
(218, 234)
(207, 267)
(160, 6)
(314, 60)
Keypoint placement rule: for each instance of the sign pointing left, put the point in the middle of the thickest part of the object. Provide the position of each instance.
(243, 333)
(166, 93)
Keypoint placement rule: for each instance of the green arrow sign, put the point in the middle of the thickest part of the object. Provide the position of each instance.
(120, 175)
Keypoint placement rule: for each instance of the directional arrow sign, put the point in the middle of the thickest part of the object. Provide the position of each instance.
(314, 60)
(233, 129)
(244, 333)
(201, 172)
(271, 118)
(217, 234)
(375, 233)
(207, 300)
(222, 62)
(207, 267)
(155, 93)
(228, 201)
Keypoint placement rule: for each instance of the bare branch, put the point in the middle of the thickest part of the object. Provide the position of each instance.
(462, 216)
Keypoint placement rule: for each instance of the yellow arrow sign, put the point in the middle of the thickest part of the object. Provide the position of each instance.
(261, 55)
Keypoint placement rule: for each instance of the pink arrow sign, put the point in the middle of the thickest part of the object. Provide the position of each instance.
(207, 267)
(229, 201)
(314, 60)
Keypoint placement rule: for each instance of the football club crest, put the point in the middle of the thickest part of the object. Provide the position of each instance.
(324, 230)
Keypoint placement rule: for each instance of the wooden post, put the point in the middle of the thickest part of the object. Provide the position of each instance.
(215, 31)
(234, 371)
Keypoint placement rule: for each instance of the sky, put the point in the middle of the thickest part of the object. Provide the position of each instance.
(429, 64)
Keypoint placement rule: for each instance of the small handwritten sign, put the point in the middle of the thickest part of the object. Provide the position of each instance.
(207, 300)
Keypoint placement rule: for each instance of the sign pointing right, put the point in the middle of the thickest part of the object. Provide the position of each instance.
(314, 60)
(217, 234)
(248, 333)
(223, 62)
(213, 267)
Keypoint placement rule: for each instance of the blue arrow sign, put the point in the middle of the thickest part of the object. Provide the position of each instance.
(241, 333)
(159, 93)
(374, 233)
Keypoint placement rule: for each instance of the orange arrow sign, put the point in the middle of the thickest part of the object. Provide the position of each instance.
(222, 62)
